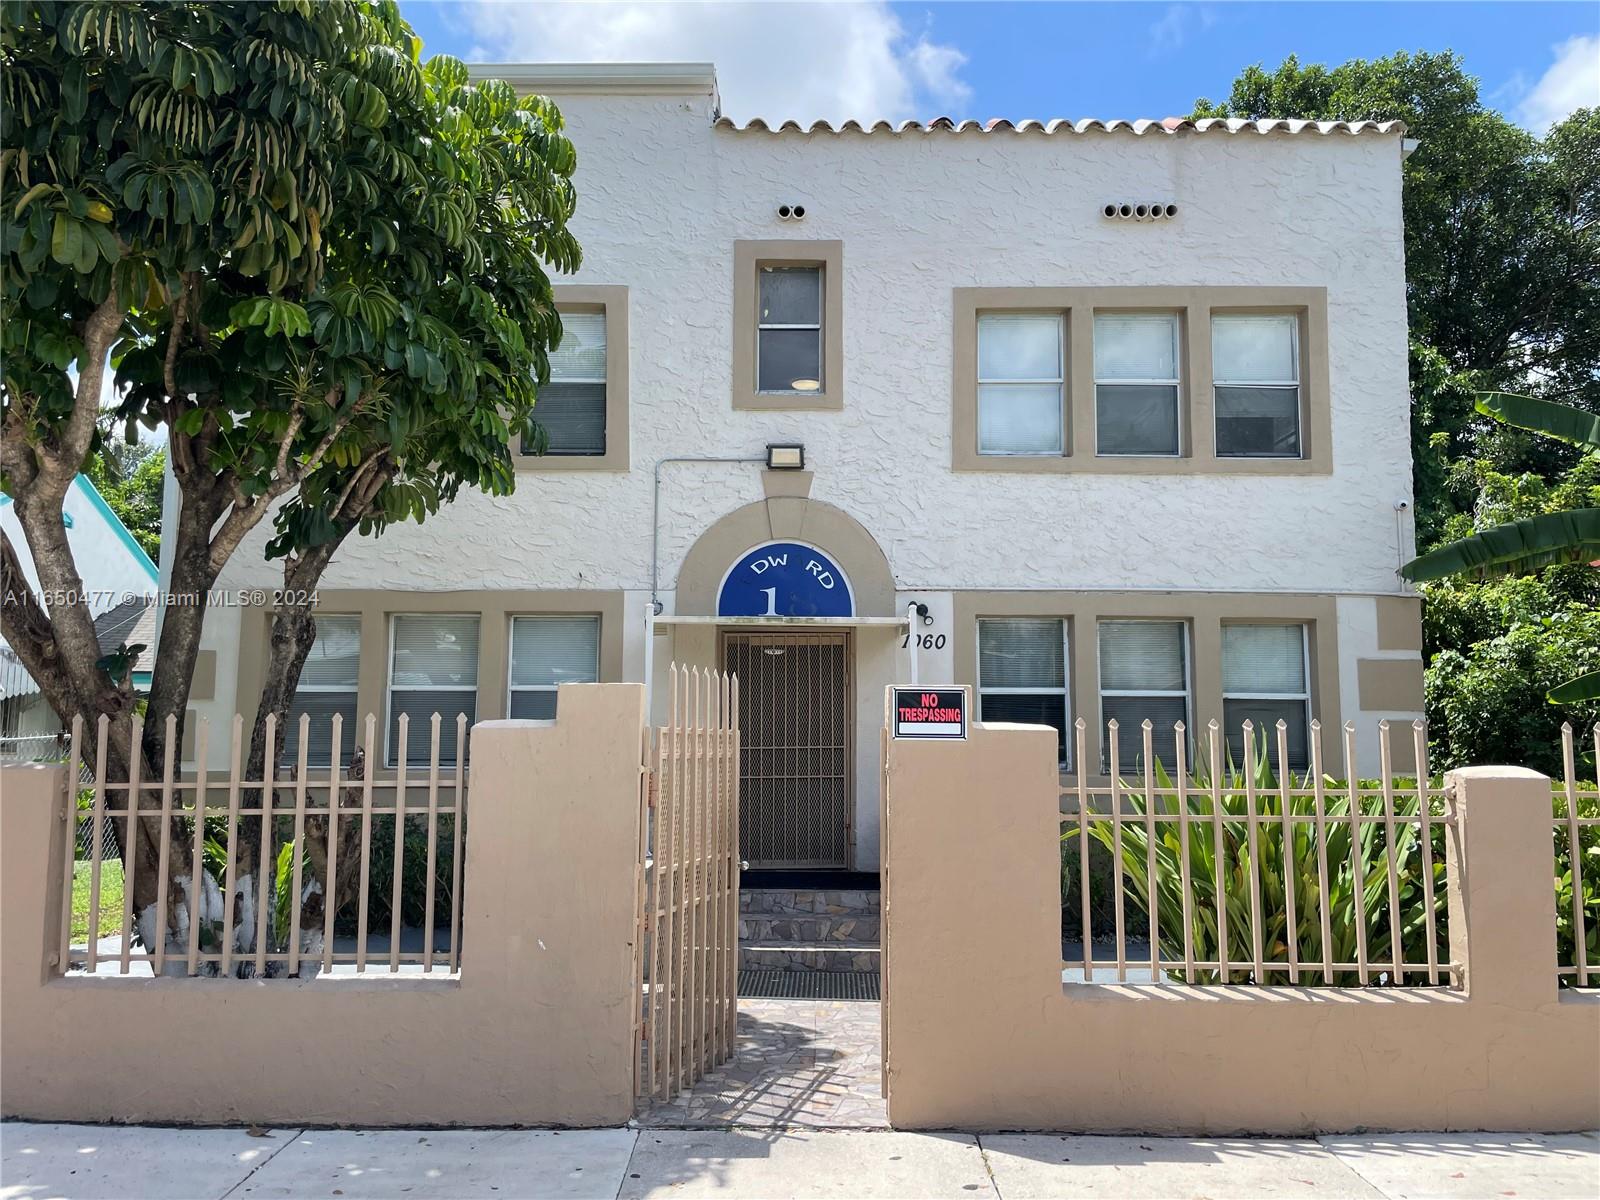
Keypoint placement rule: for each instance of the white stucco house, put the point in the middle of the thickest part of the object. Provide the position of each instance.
(1122, 406)
(119, 583)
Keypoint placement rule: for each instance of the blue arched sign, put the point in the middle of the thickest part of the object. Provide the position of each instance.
(785, 579)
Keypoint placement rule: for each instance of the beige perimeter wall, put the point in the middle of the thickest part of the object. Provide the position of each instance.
(981, 1033)
(539, 1029)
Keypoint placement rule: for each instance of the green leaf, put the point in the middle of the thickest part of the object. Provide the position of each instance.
(1576, 691)
(1559, 537)
(1561, 421)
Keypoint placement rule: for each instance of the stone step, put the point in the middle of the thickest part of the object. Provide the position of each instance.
(806, 902)
(843, 929)
(807, 956)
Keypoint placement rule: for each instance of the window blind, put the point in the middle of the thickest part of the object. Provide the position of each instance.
(1263, 660)
(434, 651)
(1142, 656)
(1024, 653)
(1255, 366)
(1136, 346)
(546, 651)
(336, 654)
(581, 356)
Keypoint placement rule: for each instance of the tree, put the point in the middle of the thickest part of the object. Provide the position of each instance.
(130, 479)
(319, 262)
(1561, 534)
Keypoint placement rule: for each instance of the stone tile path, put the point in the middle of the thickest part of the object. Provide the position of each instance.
(813, 1063)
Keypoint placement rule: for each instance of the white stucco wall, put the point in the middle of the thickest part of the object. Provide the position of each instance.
(113, 567)
(663, 197)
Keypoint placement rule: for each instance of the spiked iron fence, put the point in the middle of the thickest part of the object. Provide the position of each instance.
(689, 885)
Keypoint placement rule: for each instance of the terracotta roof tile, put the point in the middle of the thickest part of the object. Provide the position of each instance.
(1171, 126)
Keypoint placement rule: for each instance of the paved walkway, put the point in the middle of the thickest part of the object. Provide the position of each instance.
(86, 1162)
(809, 1063)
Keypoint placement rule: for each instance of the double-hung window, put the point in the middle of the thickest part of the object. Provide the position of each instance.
(1266, 678)
(433, 668)
(1136, 384)
(571, 408)
(1255, 370)
(789, 330)
(1020, 384)
(545, 653)
(327, 689)
(1144, 676)
(1022, 675)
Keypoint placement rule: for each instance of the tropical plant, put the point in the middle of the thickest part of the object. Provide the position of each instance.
(1548, 539)
(1284, 861)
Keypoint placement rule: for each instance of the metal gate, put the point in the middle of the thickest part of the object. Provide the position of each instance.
(795, 764)
(688, 886)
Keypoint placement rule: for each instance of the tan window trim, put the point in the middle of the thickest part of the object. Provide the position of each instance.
(1197, 404)
(748, 259)
(613, 301)
(1204, 612)
(375, 607)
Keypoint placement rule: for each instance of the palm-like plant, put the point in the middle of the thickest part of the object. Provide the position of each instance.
(1517, 547)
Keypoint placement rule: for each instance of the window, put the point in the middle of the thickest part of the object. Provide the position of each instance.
(1020, 384)
(327, 688)
(1144, 676)
(1136, 383)
(1022, 675)
(571, 408)
(546, 652)
(433, 668)
(1255, 368)
(789, 330)
(1266, 679)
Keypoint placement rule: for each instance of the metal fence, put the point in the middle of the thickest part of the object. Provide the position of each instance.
(1253, 872)
(314, 870)
(1578, 838)
(687, 964)
(1207, 870)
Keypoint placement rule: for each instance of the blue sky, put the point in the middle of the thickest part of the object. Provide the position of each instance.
(865, 58)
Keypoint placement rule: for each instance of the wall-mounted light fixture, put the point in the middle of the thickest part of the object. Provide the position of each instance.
(786, 456)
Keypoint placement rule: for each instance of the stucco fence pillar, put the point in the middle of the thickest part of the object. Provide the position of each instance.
(537, 1030)
(980, 1032)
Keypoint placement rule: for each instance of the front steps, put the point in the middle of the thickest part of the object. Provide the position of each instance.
(816, 930)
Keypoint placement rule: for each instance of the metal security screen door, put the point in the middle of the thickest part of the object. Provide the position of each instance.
(796, 714)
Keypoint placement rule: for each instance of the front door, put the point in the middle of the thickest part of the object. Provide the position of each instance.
(795, 721)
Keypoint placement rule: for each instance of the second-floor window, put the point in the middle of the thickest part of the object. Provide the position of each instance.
(327, 689)
(433, 668)
(1136, 384)
(789, 330)
(547, 651)
(1020, 382)
(1255, 369)
(571, 408)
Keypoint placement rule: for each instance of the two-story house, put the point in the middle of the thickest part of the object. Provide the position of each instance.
(1117, 412)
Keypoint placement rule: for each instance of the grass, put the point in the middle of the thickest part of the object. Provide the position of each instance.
(110, 899)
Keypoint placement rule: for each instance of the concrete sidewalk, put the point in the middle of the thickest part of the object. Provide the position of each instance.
(38, 1162)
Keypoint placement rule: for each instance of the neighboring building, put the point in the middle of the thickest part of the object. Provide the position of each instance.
(119, 582)
(1143, 468)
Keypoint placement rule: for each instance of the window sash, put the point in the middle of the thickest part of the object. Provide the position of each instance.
(1305, 667)
(394, 687)
(513, 688)
(1286, 320)
(1170, 319)
(1161, 739)
(1061, 691)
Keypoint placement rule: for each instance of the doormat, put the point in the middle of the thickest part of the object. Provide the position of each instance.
(809, 985)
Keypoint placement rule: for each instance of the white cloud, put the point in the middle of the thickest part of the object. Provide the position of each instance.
(779, 61)
(1572, 81)
(1175, 26)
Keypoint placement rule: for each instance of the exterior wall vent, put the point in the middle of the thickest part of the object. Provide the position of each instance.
(791, 212)
(1139, 212)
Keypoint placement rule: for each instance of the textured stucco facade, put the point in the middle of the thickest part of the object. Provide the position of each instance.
(666, 191)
